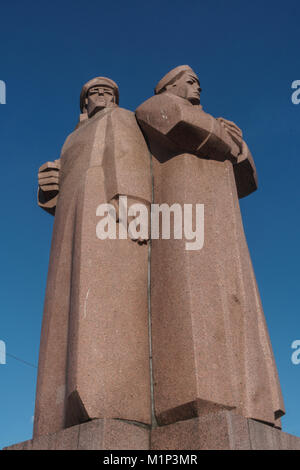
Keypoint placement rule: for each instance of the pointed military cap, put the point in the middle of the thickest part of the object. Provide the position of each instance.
(171, 77)
(98, 81)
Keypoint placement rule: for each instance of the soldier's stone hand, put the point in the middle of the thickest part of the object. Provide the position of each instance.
(48, 176)
(133, 227)
(139, 224)
(48, 189)
(143, 232)
(233, 131)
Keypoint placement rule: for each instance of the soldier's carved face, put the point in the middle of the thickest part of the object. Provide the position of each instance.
(187, 87)
(98, 98)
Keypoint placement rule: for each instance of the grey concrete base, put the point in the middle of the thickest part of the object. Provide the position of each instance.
(223, 430)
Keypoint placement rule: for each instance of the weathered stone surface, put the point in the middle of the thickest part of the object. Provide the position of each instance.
(267, 438)
(213, 365)
(45, 442)
(98, 434)
(28, 445)
(19, 446)
(119, 435)
(67, 439)
(222, 430)
(207, 318)
(94, 353)
(91, 435)
(293, 442)
(262, 437)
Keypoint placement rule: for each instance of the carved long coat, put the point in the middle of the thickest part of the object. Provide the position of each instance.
(94, 353)
(210, 343)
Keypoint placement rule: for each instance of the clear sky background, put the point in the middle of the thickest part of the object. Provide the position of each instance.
(246, 55)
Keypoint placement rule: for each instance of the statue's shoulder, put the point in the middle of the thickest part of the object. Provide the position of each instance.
(122, 113)
(79, 134)
(153, 103)
(162, 112)
(123, 117)
(68, 141)
(161, 106)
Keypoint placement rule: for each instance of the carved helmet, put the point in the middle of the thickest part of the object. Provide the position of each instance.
(98, 81)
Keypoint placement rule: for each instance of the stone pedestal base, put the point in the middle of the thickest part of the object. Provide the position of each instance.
(99, 434)
(223, 430)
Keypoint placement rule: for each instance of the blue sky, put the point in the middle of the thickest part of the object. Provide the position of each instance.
(246, 55)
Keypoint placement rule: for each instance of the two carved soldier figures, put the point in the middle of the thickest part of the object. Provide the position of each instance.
(186, 337)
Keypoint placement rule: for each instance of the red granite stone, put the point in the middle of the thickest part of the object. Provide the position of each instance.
(221, 430)
(121, 435)
(45, 442)
(91, 435)
(210, 343)
(67, 439)
(19, 446)
(94, 354)
(264, 437)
